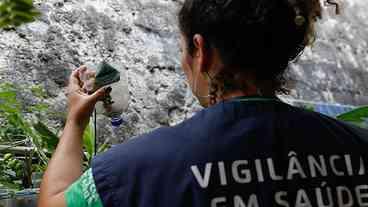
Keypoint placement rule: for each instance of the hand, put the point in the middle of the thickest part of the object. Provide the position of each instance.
(80, 104)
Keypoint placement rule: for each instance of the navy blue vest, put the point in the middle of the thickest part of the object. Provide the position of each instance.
(242, 154)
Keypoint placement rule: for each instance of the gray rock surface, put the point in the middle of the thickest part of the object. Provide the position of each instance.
(335, 69)
(142, 35)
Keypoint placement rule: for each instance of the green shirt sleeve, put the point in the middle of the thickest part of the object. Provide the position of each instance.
(83, 192)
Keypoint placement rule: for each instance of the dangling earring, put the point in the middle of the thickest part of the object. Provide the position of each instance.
(195, 89)
(212, 90)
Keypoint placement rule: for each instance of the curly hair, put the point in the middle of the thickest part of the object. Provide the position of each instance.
(258, 36)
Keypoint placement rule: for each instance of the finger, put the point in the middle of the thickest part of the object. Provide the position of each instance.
(82, 73)
(75, 73)
(74, 80)
(99, 94)
(90, 74)
(82, 68)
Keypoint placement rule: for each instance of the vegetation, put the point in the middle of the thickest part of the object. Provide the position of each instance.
(357, 116)
(16, 12)
(26, 142)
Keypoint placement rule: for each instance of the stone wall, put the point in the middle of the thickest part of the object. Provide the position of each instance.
(142, 35)
(336, 68)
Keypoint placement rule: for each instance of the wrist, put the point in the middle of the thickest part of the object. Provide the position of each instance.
(75, 123)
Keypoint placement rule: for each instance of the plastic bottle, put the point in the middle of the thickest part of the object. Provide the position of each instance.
(120, 98)
(120, 101)
(116, 123)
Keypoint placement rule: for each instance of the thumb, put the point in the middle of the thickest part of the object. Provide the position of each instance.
(100, 94)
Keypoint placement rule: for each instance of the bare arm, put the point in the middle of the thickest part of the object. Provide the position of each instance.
(65, 166)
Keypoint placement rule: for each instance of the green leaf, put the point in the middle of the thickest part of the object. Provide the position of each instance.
(357, 115)
(9, 109)
(7, 95)
(16, 12)
(38, 91)
(48, 137)
(10, 185)
(89, 142)
(103, 148)
(38, 108)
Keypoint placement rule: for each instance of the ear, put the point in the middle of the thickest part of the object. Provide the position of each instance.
(201, 53)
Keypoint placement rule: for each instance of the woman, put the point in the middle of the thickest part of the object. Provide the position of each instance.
(247, 148)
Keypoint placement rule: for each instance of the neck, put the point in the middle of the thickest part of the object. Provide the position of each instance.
(240, 93)
(235, 94)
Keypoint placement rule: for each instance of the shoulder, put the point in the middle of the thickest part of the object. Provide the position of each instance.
(153, 145)
(126, 166)
(311, 122)
(161, 144)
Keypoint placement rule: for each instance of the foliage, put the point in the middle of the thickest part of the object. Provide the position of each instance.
(89, 145)
(11, 169)
(24, 126)
(21, 129)
(309, 107)
(357, 116)
(16, 12)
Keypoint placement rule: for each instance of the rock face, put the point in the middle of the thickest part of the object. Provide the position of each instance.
(143, 37)
(335, 69)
